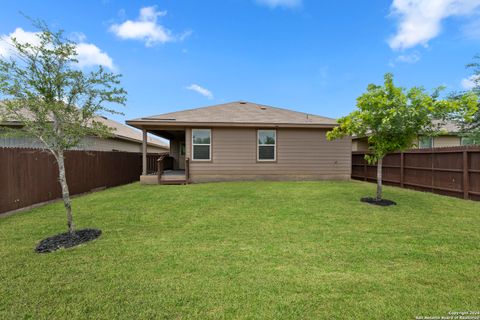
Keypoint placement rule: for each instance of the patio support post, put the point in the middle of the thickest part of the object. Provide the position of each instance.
(144, 152)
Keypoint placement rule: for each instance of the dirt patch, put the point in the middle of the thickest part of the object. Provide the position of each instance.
(67, 240)
(382, 203)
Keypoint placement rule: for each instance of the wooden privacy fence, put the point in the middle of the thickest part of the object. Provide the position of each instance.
(452, 171)
(30, 176)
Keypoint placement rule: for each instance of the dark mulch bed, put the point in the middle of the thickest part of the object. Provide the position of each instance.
(67, 240)
(382, 203)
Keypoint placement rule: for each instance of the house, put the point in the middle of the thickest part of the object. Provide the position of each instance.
(450, 136)
(124, 139)
(245, 141)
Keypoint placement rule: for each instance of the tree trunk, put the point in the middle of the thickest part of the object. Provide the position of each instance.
(65, 193)
(379, 179)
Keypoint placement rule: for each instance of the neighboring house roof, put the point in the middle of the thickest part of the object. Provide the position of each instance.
(120, 131)
(238, 113)
(125, 132)
(446, 128)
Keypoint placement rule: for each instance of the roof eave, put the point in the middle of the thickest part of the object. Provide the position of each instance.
(147, 123)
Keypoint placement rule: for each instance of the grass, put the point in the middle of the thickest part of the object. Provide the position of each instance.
(275, 250)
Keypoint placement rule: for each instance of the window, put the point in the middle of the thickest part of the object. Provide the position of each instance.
(267, 140)
(425, 142)
(201, 143)
(468, 141)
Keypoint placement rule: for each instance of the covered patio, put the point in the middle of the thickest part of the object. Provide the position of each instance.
(168, 168)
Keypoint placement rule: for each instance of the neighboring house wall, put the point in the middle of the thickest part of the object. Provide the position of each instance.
(87, 143)
(302, 154)
(438, 142)
(446, 141)
(359, 145)
(441, 141)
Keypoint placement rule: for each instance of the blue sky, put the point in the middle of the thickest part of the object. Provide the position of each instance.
(307, 55)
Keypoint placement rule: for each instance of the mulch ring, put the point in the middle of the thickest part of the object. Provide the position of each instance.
(382, 202)
(67, 240)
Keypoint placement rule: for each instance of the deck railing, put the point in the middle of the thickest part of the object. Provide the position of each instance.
(165, 161)
(152, 165)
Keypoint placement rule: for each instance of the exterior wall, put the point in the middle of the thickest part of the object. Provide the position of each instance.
(87, 143)
(174, 152)
(446, 141)
(302, 154)
(359, 144)
(438, 142)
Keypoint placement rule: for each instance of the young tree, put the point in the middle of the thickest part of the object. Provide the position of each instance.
(471, 129)
(392, 118)
(54, 100)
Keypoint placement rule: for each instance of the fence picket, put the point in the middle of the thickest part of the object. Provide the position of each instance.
(446, 171)
(30, 176)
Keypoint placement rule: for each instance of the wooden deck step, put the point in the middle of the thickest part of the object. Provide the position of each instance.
(173, 182)
(173, 179)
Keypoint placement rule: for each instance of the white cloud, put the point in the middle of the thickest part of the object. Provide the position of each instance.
(6, 44)
(91, 55)
(280, 3)
(470, 82)
(420, 20)
(146, 28)
(408, 58)
(201, 90)
(78, 36)
(88, 54)
(185, 35)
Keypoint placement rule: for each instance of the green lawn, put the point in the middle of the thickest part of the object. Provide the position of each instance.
(275, 250)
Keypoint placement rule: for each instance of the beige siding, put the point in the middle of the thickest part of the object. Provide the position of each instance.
(438, 142)
(360, 144)
(174, 152)
(443, 141)
(301, 154)
(87, 143)
(446, 141)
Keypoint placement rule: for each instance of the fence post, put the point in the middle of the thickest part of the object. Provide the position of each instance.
(402, 164)
(364, 168)
(466, 182)
(432, 173)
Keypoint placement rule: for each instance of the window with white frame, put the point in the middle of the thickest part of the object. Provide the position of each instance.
(267, 145)
(201, 144)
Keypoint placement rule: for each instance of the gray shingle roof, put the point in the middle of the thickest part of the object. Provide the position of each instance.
(239, 112)
(120, 131)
